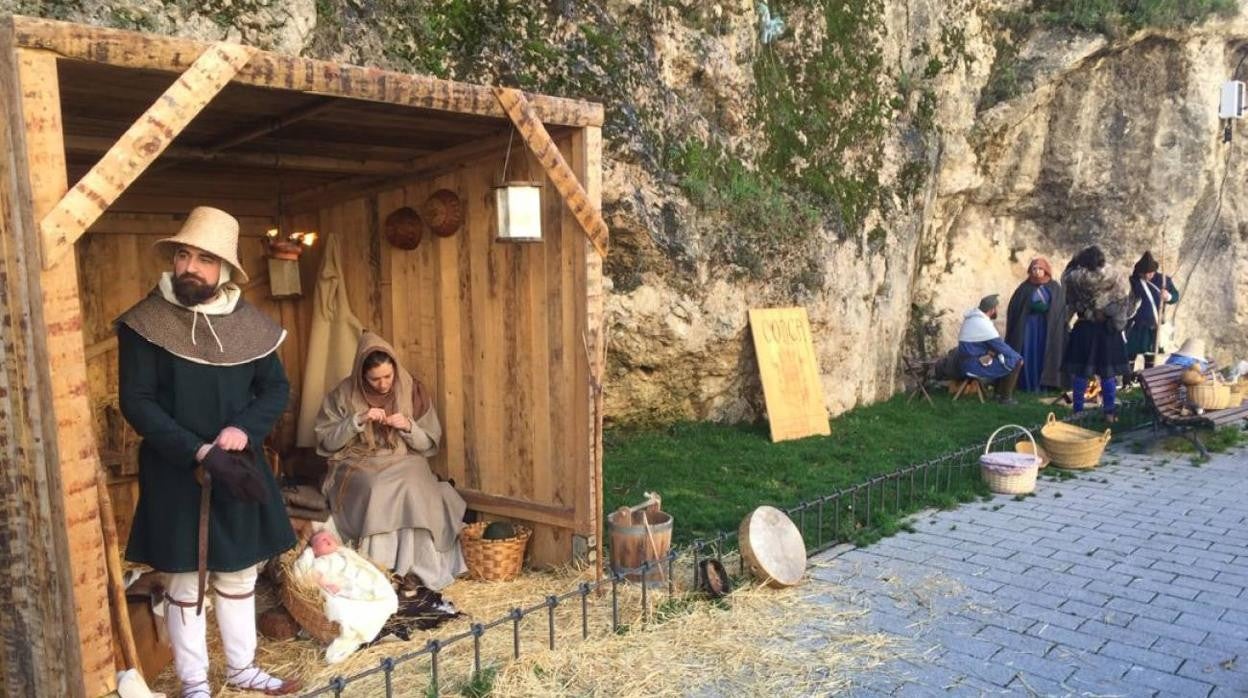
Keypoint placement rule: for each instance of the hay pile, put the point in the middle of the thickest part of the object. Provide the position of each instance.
(758, 641)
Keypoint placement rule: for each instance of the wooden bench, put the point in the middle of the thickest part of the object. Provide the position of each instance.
(1161, 387)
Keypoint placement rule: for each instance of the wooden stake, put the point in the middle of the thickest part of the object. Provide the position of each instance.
(116, 581)
(547, 153)
(138, 148)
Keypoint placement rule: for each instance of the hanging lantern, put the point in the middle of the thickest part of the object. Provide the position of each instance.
(518, 206)
(283, 256)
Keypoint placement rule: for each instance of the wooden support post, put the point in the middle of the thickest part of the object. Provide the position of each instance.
(40, 654)
(61, 365)
(142, 143)
(547, 153)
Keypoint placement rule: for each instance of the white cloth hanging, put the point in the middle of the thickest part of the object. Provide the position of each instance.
(332, 340)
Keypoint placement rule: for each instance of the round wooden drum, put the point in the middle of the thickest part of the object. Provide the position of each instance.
(772, 547)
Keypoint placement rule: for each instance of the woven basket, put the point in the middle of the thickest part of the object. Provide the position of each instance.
(1210, 396)
(304, 601)
(493, 560)
(1010, 472)
(1072, 447)
(1239, 393)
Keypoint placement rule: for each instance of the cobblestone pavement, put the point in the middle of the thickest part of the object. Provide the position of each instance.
(1129, 580)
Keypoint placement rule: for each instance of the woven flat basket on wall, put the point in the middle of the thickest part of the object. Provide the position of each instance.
(494, 560)
(1072, 447)
(1010, 472)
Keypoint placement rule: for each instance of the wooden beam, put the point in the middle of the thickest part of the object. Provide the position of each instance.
(41, 653)
(417, 169)
(547, 153)
(142, 143)
(267, 126)
(271, 160)
(135, 50)
(522, 509)
(60, 322)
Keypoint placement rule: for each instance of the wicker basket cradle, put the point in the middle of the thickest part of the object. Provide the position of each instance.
(494, 560)
(304, 601)
(1072, 447)
(1010, 472)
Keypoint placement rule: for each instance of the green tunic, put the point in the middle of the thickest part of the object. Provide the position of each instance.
(178, 405)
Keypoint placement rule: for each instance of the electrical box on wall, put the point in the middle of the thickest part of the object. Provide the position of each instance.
(1232, 105)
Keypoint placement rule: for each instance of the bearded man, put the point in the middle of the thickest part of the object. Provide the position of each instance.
(201, 382)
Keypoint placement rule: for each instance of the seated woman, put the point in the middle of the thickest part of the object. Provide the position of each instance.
(377, 428)
(1192, 353)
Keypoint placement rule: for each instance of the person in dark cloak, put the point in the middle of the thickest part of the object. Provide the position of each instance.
(1153, 290)
(1035, 326)
(201, 383)
(1101, 303)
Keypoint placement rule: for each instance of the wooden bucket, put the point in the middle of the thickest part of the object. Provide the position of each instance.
(638, 536)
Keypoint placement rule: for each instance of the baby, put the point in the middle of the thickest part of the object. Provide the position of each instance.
(358, 596)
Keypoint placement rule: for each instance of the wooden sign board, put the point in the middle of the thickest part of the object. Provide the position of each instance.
(786, 362)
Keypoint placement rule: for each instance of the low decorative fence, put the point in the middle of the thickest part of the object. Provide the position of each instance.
(861, 512)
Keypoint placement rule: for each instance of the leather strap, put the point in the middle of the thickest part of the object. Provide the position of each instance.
(205, 509)
(236, 597)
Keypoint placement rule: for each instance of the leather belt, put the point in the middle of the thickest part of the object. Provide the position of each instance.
(205, 509)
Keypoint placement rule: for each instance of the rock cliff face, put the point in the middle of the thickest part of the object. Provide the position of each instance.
(882, 163)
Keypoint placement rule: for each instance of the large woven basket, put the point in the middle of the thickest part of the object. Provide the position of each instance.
(494, 560)
(1072, 447)
(1210, 395)
(1010, 472)
(304, 601)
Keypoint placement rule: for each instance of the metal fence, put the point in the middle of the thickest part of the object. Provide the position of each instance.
(861, 512)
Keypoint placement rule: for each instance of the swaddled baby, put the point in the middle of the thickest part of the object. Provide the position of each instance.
(358, 596)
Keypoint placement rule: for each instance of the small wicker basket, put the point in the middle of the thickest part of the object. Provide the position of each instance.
(1007, 472)
(1029, 446)
(1210, 396)
(494, 560)
(1072, 447)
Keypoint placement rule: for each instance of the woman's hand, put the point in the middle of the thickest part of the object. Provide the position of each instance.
(399, 421)
(375, 414)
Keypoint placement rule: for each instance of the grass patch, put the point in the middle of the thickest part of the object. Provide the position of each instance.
(712, 475)
(1218, 441)
(1116, 17)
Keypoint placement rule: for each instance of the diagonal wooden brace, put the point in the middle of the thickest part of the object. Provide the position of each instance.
(138, 148)
(547, 153)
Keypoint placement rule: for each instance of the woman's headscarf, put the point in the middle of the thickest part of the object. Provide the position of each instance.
(1043, 264)
(406, 395)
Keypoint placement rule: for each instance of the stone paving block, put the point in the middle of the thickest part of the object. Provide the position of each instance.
(1117, 633)
(1203, 585)
(1084, 595)
(1152, 571)
(1238, 617)
(1143, 609)
(1167, 683)
(1168, 589)
(1067, 637)
(1092, 664)
(961, 642)
(1223, 626)
(1039, 598)
(1045, 563)
(1170, 630)
(998, 618)
(1190, 652)
(1032, 685)
(1127, 592)
(1084, 560)
(1144, 557)
(1015, 641)
(1230, 603)
(1141, 657)
(1109, 576)
(1233, 576)
(1096, 613)
(995, 563)
(1047, 616)
(967, 665)
(1089, 683)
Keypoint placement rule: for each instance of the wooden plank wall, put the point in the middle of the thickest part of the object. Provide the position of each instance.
(496, 331)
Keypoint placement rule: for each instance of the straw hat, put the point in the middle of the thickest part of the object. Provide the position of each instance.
(211, 230)
(1193, 348)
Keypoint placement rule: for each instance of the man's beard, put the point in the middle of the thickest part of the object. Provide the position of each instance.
(190, 290)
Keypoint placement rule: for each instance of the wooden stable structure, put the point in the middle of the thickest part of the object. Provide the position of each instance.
(508, 337)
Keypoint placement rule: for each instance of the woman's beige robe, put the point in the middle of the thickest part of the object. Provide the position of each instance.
(383, 495)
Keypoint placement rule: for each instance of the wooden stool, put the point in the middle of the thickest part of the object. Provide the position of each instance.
(919, 371)
(967, 386)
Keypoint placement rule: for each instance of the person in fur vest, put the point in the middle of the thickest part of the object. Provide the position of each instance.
(1101, 303)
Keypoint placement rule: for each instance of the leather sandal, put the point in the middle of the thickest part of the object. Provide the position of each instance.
(253, 678)
(199, 689)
